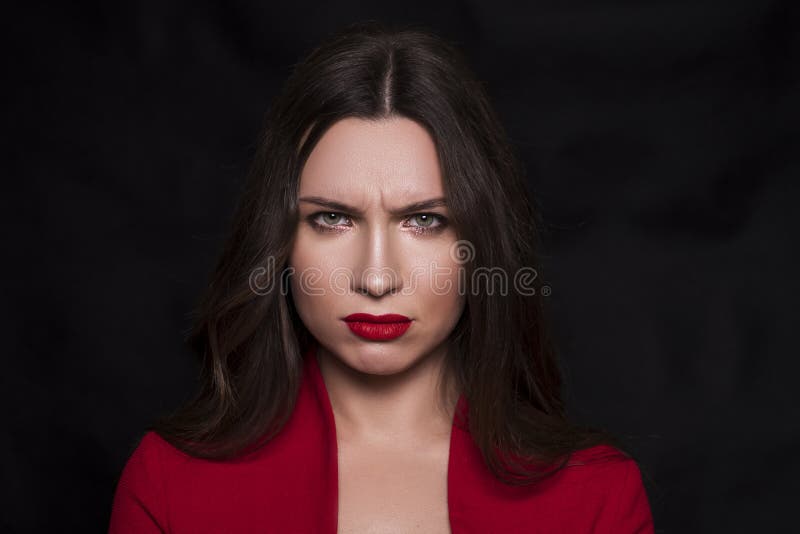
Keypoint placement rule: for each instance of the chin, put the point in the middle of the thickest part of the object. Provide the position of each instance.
(381, 369)
(378, 358)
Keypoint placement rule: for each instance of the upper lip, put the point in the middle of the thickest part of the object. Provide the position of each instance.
(369, 318)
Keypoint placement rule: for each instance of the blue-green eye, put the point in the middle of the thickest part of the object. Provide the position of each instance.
(331, 221)
(427, 220)
(331, 217)
(327, 221)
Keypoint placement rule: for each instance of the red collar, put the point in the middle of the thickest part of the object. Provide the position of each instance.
(291, 485)
(477, 501)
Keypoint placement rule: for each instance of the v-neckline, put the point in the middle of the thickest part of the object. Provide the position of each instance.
(322, 390)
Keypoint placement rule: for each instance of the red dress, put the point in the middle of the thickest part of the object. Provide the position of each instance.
(291, 485)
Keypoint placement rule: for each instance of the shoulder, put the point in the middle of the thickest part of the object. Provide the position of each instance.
(611, 484)
(139, 501)
(147, 461)
(144, 463)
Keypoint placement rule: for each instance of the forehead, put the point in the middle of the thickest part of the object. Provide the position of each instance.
(395, 157)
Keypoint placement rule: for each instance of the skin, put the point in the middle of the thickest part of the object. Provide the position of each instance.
(392, 432)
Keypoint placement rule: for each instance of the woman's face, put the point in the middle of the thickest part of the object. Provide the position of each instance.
(367, 253)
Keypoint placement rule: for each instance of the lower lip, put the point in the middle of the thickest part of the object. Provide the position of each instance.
(378, 331)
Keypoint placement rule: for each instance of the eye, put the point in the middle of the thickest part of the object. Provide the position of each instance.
(422, 223)
(327, 221)
(428, 222)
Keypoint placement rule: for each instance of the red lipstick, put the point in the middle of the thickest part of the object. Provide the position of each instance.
(378, 327)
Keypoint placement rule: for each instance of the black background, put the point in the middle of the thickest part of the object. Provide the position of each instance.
(661, 139)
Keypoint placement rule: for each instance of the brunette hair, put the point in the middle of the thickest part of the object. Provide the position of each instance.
(501, 355)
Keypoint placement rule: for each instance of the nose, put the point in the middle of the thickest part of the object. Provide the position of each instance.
(377, 272)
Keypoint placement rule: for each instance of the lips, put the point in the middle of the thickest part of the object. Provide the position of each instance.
(369, 318)
(378, 327)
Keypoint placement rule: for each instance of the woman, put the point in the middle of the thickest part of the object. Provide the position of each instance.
(374, 355)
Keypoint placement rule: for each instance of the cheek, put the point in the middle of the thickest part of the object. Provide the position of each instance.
(305, 276)
(439, 285)
(306, 259)
(314, 252)
(314, 272)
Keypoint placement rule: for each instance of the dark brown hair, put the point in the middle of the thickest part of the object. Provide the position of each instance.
(501, 356)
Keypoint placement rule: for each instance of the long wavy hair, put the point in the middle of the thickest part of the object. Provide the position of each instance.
(501, 355)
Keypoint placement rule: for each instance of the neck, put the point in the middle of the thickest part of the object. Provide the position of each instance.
(398, 410)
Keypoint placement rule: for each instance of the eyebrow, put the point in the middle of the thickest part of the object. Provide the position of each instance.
(333, 205)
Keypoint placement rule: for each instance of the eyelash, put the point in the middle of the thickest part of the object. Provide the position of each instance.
(419, 230)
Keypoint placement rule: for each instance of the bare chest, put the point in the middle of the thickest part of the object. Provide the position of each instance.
(389, 491)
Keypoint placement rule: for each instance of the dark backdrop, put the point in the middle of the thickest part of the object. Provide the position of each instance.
(661, 139)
